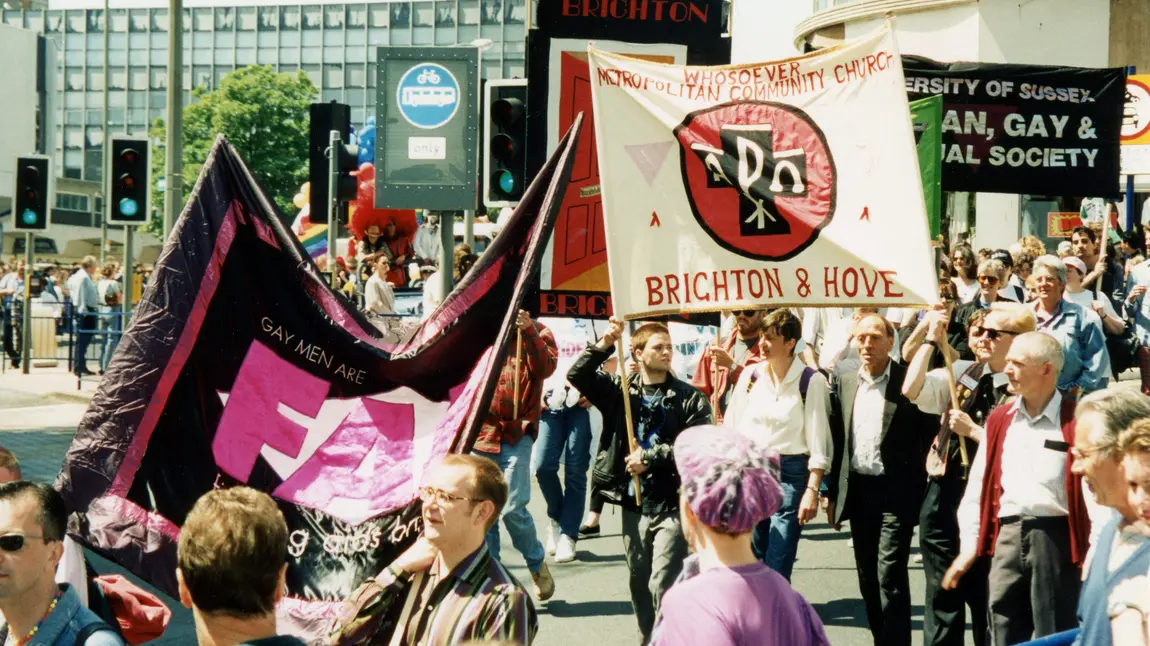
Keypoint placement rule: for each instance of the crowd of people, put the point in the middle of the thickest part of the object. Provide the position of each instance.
(85, 298)
(989, 423)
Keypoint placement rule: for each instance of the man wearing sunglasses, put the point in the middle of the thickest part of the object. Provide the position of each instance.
(991, 277)
(981, 385)
(720, 367)
(36, 610)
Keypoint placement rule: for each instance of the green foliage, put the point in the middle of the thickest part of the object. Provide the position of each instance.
(265, 117)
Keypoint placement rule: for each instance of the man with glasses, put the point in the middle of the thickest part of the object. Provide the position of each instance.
(662, 406)
(991, 275)
(720, 367)
(1023, 507)
(447, 588)
(1121, 550)
(36, 610)
(981, 385)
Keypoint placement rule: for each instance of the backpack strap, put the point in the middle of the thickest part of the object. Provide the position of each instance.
(91, 629)
(805, 382)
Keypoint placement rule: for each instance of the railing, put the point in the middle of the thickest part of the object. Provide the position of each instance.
(60, 335)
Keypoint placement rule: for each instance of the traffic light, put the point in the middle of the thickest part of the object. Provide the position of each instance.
(326, 117)
(505, 138)
(130, 181)
(33, 193)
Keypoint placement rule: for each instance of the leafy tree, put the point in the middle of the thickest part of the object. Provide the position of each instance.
(265, 117)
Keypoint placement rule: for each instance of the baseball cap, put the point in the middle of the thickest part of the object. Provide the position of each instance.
(730, 481)
(1075, 262)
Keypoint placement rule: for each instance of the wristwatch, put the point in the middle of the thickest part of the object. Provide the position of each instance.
(1120, 606)
(930, 343)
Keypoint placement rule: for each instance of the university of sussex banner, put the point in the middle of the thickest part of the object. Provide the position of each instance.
(241, 366)
(794, 182)
(1033, 129)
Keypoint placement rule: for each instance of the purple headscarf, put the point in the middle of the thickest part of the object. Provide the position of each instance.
(730, 481)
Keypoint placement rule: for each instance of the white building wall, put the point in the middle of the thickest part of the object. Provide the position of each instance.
(764, 30)
(945, 35)
(18, 107)
(1045, 32)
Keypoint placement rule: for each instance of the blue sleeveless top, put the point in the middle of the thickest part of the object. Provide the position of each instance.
(1094, 599)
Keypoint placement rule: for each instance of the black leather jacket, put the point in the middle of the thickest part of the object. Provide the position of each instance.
(685, 407)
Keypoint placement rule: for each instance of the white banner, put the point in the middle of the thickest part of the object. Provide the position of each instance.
(794, 182)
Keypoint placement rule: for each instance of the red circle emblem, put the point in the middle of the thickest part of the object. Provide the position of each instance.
(759, 177)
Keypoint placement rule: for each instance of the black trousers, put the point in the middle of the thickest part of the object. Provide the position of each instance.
(882, 519)
(1034, 583)
(944, 615)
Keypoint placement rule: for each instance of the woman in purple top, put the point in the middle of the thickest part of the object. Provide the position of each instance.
(726, 596)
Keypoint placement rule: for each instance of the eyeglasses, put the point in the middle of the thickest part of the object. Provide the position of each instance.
(1082, 455)
(991, 333)
(12, 543)
(747, 313)
(428, 494)
(990, 280)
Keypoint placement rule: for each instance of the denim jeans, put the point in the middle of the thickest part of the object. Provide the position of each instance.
(515, 461)
(776, 539)
(565, 433)
(111, 322)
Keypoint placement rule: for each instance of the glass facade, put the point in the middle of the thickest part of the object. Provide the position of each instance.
(333, 43)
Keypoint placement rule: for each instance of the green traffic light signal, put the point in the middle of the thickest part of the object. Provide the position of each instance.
(29, 217)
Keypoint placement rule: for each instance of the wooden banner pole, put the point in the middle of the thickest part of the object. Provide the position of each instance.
(632, 443)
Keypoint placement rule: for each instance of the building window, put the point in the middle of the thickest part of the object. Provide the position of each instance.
(73, 138)
(119, 21)
(225, 19)
(289, 17)
(469, 12)
(246, 20)
(159, 78)
(445, 13)
(55, 22)
(312, 16)
(377, 15)
(332, 76)
(72, 202)
(203, 20)
(424, 14)
(356, 16)
(202, 77)
(159, 19)
(515, 12)
(401, 14)
(354, 75)
(333, 16)
(138, 78)
(268, 19)
(95, 78)
(74, 78)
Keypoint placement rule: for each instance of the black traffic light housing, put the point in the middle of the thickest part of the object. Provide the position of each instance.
(326, 117)
(504, 142)
(129, 188)
(33, 204)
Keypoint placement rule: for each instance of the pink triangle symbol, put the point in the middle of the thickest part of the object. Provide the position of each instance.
(649, 158)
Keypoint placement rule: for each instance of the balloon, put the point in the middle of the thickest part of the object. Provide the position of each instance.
(303, 197)
(370, 122)
(367, 144)
(366, 214)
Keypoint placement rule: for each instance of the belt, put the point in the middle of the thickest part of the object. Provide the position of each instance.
(1032, 520)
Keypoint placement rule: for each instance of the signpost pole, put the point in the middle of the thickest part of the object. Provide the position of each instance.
(1130, 70)
(469, 227)
(334, 142)
(447, 240)
(26, 323)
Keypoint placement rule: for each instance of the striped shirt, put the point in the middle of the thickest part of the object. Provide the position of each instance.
(478, 600)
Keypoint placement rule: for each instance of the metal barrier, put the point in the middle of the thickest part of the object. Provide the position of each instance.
(58, 334)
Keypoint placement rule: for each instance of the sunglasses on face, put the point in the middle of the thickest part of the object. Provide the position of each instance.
(989, 280)
(991, 333)
(12, 543)
(746, 313)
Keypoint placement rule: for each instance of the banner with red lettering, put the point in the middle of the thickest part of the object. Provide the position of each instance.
(794, 182)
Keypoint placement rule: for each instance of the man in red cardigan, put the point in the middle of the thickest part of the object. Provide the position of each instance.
(1023, 506)
(720, 366)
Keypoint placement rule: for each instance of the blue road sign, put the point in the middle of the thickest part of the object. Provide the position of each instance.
(428, 96)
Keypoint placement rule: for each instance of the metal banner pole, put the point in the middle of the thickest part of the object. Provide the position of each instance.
(334, 142)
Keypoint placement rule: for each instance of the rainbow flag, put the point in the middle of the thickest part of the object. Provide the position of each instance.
(314, 239)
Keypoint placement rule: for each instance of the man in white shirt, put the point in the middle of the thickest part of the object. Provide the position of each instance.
(86, 302)
(879, 476)
(979, 386)
(428, 242)
(378, 296)
(1023, 507)
(783, 404)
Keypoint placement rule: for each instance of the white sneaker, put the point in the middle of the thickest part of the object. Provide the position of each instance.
(565, 551)
(552, 537)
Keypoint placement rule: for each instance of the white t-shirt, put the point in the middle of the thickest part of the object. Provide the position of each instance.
(1084, 299)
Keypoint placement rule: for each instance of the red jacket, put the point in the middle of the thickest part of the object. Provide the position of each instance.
(996, 426)
(714, 382)
(540, 355)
